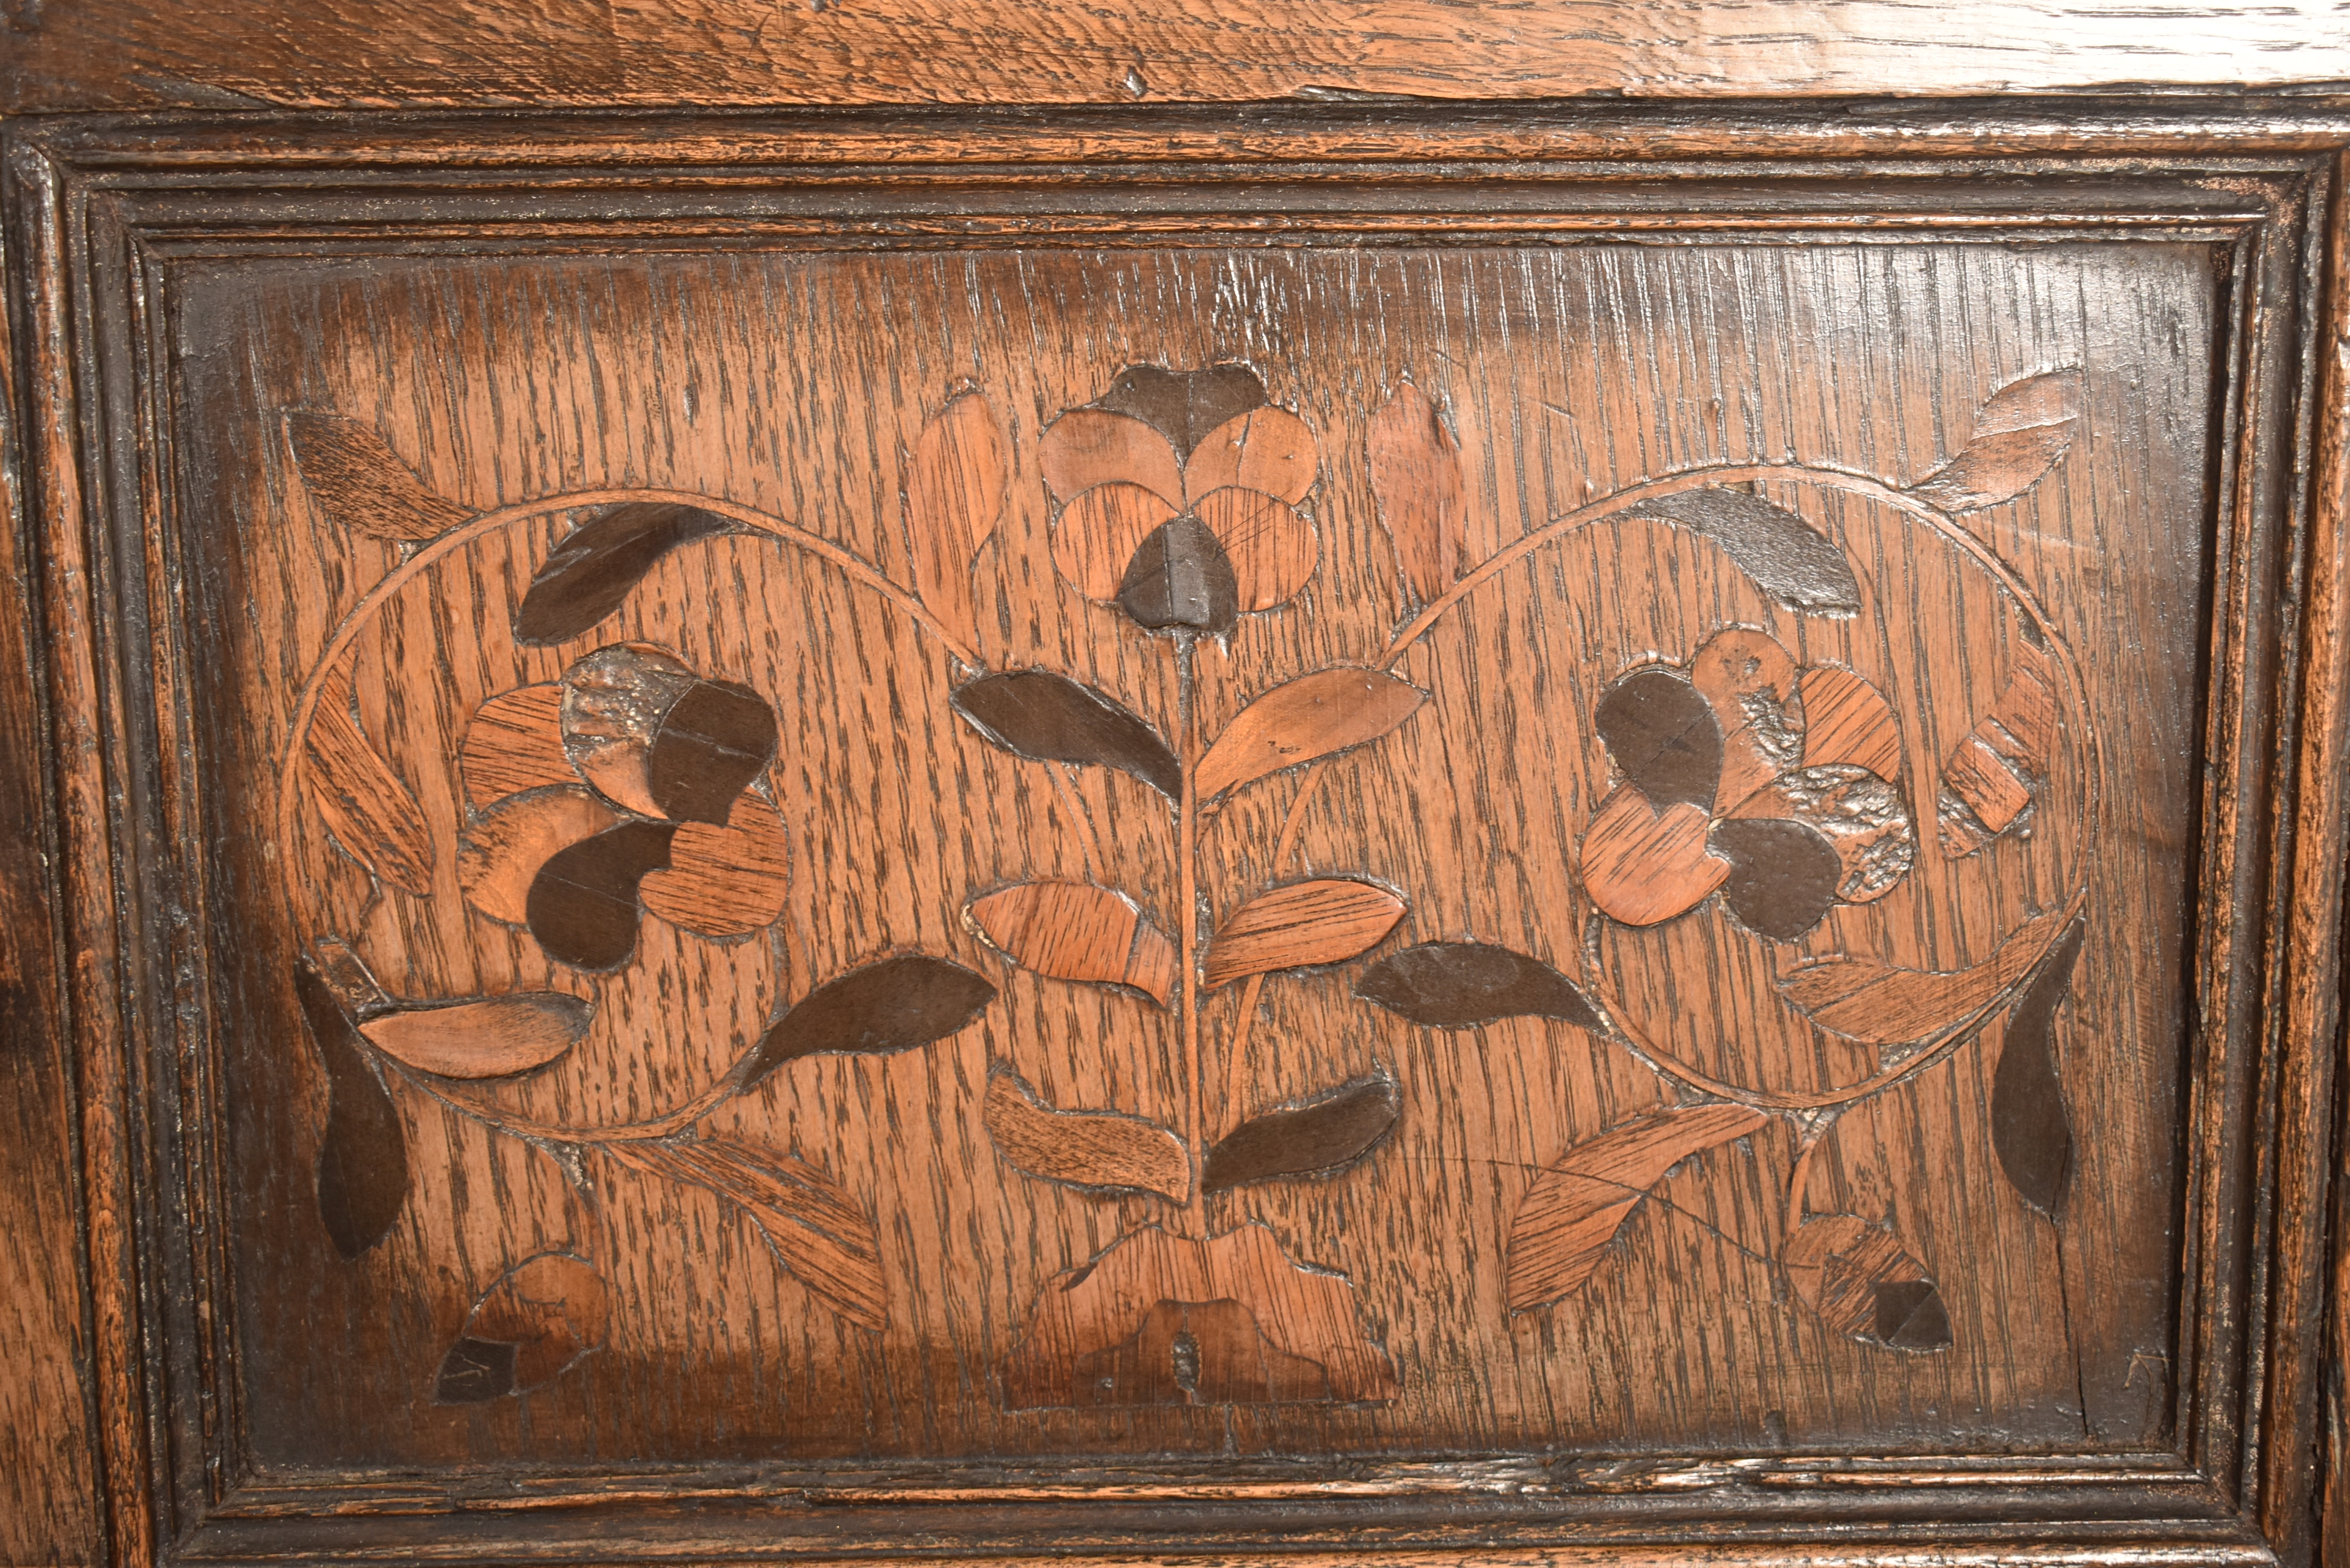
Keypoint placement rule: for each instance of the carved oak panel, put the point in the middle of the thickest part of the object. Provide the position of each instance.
(925, 841)
(872, 845)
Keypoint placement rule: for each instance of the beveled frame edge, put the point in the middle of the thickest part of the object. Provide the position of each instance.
(85, 301)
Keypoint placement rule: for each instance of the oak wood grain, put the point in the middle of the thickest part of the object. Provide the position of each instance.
(1470, 1153)
(131, 53)
(49, 1509)
(753, 1233)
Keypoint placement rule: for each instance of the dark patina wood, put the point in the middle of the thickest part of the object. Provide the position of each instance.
(1327, 830)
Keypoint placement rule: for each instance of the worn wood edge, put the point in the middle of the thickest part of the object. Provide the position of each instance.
(949, 1482)
(2237, 751)
(507, 1521)
(172, 1084)
(2307, 1472)
(70, 1525)
(1611, 134)
(86, 731)
(1331, 1535)
(2262, 1057)
(110, 53)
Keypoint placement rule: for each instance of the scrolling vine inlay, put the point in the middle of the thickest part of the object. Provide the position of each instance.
(1757, 774)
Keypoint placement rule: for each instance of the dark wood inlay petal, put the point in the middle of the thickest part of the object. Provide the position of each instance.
(712, 744)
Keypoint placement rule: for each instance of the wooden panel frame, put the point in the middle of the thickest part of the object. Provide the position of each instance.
(104, 212)
(655, 54)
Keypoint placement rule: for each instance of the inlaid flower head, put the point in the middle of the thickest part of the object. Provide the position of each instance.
(629, 787)
(1744, 772)
(1179, 498)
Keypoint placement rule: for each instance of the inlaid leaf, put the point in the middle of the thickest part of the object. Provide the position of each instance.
(614, 700)
(893, 1004)
(1180, 579)
(2021, 432)
(363, 803)
(1323, 1134)
(1783, 875)
(533, 1326)
(1856, 1276)
(1326, 920)
(1314, 716)
(499, 857)
(487, 1037)
(1049, 718)
(714, 741)
(1568, 1218)
(595, 565)
(1786, 556)
(1662, 736)
(356, 480)
(954, 494)
(1415, 479)
(582, 905)
(363, 1152)
(2029, 1126)
(1880, 1005)
(813, 1228)
(1074, 930)
(1459, 985)
(1084, 1148)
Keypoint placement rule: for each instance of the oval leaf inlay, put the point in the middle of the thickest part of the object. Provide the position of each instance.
(1328, 920)
(2029, 1128)
(1314, 716)
(1049, 718)
(819, 1233)
(1459, 985)
(1786, 556)
(894, 1004)
(1567, 1220)
(363, 1152)
(595, 565)
(1322, 1135)
(1084, 1148)
(490, 1037)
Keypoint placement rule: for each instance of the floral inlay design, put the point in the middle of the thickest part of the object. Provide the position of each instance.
(1180, 498)
(1744, 774)
(1753, 786)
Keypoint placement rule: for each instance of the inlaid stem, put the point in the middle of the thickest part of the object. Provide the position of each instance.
(1186, 901)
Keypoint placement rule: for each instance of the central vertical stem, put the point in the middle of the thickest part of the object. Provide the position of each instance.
(1187, 914)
